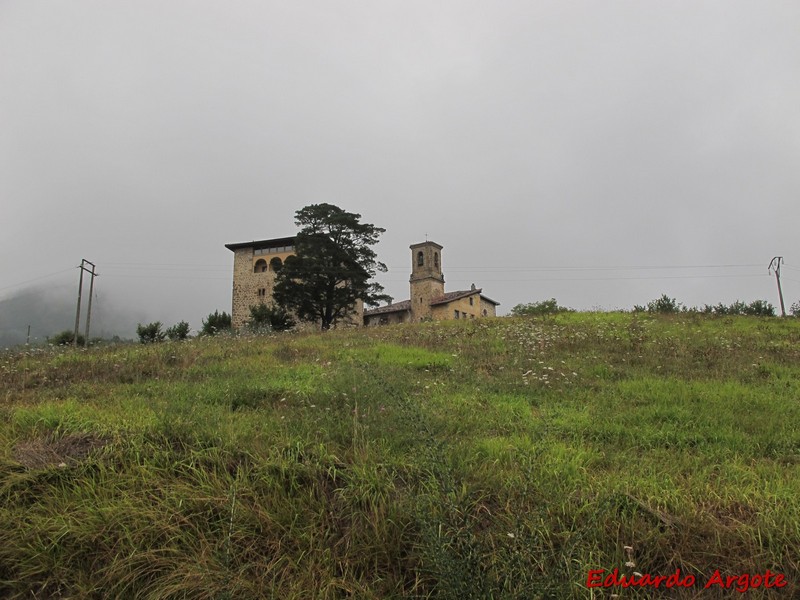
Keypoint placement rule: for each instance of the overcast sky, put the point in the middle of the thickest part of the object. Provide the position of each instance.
(553, 148)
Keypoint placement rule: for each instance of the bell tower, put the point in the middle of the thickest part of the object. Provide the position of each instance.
(427, 280)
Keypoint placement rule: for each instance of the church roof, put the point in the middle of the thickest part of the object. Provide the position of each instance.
(405, 305)
(451, 296)
(389, 308)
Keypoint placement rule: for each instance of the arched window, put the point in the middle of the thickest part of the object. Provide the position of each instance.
(420, 259)
(260, 266)
(436, 259)
(275, 264)
(485, 313)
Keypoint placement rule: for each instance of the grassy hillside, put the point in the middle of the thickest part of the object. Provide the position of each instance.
(499, 458)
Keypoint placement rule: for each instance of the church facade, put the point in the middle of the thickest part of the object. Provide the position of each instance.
(428, 300)
(256, 264)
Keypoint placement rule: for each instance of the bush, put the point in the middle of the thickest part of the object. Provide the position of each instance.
(66, 338)
(179, 331)
(664, 305)
(269, 318)
(757, 308)
(795, 309)
(543, 307)
(760, 308)
(150, 333)
(217, 322)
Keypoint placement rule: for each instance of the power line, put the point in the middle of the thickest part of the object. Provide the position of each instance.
(13, 285)
(741, 276)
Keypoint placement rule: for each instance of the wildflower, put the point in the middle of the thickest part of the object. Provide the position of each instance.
(511, 535)
(630, 564)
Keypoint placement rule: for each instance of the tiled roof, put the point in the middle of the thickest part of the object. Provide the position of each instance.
(450, 296)
(382, 310)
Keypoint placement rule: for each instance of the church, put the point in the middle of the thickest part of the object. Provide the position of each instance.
(428, 299)
(256, 263)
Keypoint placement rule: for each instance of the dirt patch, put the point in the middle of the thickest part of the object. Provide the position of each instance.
(44, 452)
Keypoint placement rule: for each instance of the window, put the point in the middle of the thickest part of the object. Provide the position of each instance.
(484, 312)
(274, 250)
(275, 264)
(260, 266)
(472, 316)
(420, 259)
(436, 259)
(471, 302)
(456, 314)
(262, 292)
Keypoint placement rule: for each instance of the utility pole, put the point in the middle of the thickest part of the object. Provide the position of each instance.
(89, 309)
(83, 268)
(776, 261)
(78, 311)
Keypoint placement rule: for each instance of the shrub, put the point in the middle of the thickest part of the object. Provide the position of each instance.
(216, 322)
(664, 305)
(150, 333)
(269, 318)
(757, 308)
(66, 338)
(760, 308)
(179, 331)
(543, 307)
(795, 309)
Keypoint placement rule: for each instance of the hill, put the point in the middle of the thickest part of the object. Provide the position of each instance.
(495, 458)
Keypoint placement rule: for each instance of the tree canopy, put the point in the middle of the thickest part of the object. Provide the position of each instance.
(332, 266)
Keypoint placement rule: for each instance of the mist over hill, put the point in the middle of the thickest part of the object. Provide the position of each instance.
(51, 309)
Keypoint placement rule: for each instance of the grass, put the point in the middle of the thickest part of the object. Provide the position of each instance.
(499, 458)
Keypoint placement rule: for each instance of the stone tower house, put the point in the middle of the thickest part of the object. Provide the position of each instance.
(255, 265)
(427, 279)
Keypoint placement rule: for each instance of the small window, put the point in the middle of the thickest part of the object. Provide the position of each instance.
(456, 314)
(472, 316)
(420, 259)
(436, 259)
(260, 266)
(484, 312)
(471, 301)
(276, 264)
(262, 292)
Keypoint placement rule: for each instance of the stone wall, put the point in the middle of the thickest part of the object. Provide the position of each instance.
(442, 312)
(251, 288)
(393, 318)
(488, 309)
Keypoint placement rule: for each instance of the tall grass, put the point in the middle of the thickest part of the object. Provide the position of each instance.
(487, 459)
